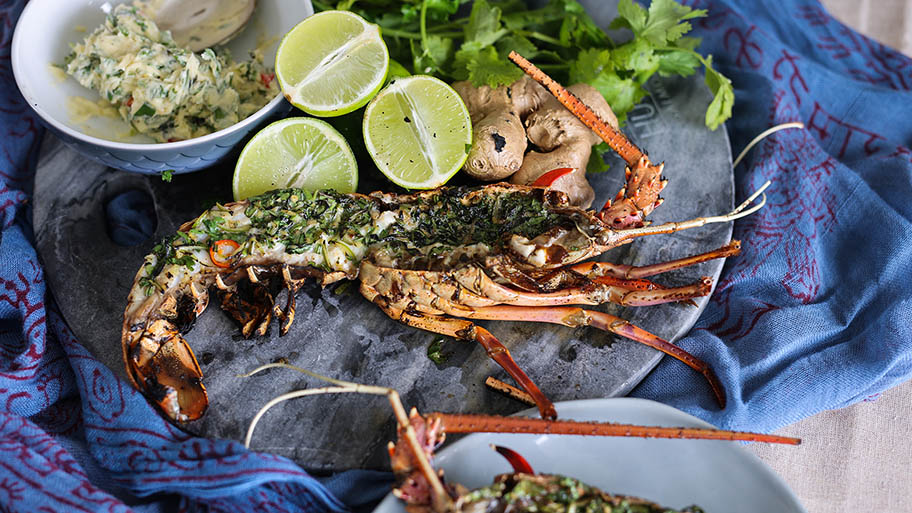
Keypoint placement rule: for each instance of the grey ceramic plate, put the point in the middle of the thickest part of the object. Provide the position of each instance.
(715, 475)
(338, 333)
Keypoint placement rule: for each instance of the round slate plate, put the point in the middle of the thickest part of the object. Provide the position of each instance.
(340, 334)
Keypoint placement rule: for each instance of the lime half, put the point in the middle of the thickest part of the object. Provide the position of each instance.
(418, 132)
(331, 63)
(295, 152)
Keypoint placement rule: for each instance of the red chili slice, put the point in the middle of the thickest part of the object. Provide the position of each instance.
(221, 250)
(266, 78)
(547, 179)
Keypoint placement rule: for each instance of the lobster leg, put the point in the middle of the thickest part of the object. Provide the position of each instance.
(466, 330)
(564, 278)
(617, 140)
(601, 289)
(621, 291)
(631, 277)
(437, 292)
(606, 273)
(577, 317)
(420, 298)
(656, 295)
(251, 306)
(594, 270)
(471, 423)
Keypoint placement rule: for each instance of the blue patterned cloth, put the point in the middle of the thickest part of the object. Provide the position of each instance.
(815, 313)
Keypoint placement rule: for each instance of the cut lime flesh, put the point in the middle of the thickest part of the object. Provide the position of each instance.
(295, 152)
(418, 132)
(332, 63)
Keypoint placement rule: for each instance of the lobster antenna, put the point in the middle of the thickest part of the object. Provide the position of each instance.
(763, 135)
(348, 387)
(611, 135)
(737, 213)
(365, 389)
(302, 370)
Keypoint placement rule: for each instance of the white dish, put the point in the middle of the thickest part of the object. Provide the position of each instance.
(43, 35)
(718, 476)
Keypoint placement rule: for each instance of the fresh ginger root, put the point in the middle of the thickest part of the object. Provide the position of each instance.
(500, 139)
(564, 141)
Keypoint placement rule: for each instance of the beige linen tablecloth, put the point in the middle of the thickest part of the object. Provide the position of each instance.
(887, 21)
(858, 458)
(855, 459)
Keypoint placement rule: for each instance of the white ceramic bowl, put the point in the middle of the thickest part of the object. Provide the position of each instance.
(43, 36)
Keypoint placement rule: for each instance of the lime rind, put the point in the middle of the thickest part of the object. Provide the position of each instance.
(295, 152)
(328, 87)
(417, 131)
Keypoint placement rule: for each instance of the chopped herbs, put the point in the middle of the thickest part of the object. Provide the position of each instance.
(556, 494)
(447, 218)
(435, 222)
(145, 110)
(434, 351)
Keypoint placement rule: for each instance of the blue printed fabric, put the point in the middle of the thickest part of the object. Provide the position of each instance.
(814, 314)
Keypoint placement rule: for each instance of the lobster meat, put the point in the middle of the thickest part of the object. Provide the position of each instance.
(435, 260)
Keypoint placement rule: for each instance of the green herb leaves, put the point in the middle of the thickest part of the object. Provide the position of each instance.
(478, 59)
(439, 38)
(483, 27)
(487, 67)
(723, 96)
(145, 110)
(663, 23)
(659, 33)
(435, 351)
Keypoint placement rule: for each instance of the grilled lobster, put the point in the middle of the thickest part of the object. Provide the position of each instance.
(435, 260)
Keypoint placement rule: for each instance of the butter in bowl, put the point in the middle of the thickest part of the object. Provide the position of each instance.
(108, 81)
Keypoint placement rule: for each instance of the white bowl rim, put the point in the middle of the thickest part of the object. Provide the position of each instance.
(115, 145)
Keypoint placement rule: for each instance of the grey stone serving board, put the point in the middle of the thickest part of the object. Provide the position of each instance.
(340, 334)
